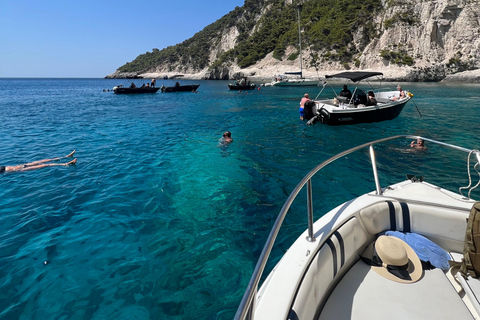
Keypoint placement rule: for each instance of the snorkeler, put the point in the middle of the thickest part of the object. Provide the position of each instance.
(38, 164)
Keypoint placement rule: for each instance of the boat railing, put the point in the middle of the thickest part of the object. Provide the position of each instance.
(246, 309)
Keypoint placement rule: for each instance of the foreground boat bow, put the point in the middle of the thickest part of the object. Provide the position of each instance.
(321, 276)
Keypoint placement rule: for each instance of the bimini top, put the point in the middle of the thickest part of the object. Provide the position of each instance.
(355, 76)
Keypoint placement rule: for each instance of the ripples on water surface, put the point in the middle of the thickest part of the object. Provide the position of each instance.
(156, 221)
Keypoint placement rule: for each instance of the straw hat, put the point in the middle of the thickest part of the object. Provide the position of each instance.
(393, 259)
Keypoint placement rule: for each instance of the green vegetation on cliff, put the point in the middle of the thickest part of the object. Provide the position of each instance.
(264, 26)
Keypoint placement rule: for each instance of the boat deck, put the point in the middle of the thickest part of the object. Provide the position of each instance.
(363, 294)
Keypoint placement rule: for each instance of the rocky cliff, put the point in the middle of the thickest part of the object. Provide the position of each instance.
(412, 41)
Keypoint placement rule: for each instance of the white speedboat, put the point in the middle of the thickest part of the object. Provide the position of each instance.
(338, 110)
(322, 275)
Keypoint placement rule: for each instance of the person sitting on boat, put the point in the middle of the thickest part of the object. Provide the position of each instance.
(38, 164)
(148, 85)
(301, 110)
(345, 93)
(143, 85)
(401, 94)
(177, 84)
(371, 100)
(133, 85)
(419, 144)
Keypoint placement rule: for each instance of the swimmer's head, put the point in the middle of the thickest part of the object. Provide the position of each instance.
(227, 134)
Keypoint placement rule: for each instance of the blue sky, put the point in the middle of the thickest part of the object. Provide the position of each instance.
(63, 38)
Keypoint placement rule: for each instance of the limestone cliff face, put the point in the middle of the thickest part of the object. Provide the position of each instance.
(443, 38)
(416, 40)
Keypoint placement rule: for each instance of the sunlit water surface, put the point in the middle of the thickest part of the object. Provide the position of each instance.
(156, 220)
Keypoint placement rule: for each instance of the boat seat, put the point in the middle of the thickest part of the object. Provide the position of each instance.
(383, 100)
(342, 249)
(364, 294)
(342, 99)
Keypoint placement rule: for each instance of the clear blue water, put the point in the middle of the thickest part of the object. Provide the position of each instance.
(156, 221)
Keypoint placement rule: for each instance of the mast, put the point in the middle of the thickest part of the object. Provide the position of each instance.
(299, 7)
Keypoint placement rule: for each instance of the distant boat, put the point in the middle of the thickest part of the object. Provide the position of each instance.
(297, 79)
(180, 88)
(242, 84)
(128, 90)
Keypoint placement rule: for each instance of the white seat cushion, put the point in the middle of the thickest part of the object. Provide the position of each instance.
(364, 294)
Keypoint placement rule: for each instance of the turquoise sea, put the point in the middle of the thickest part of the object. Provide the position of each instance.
(156, 220)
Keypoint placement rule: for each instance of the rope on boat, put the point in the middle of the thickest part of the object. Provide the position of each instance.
(477, 153)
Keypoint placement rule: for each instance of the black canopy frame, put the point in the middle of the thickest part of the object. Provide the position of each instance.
(355, 76)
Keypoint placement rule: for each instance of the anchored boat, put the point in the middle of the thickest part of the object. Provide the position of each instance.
(334, 270)
(133, 89)
(338, 110)
(242, 83)
(178, 87)
(294, 78)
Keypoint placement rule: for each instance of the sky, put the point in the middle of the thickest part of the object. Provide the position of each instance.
(92, 38)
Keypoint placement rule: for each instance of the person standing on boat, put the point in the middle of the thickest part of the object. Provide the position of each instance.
(346, 93)
(302, 105)
(38, 164)
(154, 82)
(401, 94)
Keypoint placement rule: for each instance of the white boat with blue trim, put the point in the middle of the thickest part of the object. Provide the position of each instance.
(323, 275)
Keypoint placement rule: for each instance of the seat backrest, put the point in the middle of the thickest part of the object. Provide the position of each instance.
(338, 253)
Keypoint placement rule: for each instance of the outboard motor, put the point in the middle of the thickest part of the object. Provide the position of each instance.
(309, 110)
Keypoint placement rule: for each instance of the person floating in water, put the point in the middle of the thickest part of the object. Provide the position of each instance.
(419, 144)
(38, 164)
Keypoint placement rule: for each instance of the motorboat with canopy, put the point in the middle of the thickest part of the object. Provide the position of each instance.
(358, 108)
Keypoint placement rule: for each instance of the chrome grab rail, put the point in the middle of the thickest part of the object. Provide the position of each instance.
(246, 308)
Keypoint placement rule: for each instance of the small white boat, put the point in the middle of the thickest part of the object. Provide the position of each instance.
(322, 275)
(289, 81)
(338, 110)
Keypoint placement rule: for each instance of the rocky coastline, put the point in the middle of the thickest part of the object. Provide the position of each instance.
(266, 74)
(440, 42)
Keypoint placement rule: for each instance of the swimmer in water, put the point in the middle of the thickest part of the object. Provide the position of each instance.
(227, 137)
(38, 164)
(420, 144)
